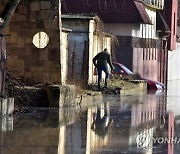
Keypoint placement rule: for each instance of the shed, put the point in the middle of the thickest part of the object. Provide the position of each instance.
(86, 39)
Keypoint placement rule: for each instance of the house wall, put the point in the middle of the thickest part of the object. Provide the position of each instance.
(145, 58)
(84, 44)
(170, 13)
(149, 31)
(94, 48)
(96, 45)
(135, 30)
(77, 50)
(174, 63)
(146, 62)
(139, 47)
(99, 44)
(32, 64)
(119, 29)
(76, 55)
(64, 59)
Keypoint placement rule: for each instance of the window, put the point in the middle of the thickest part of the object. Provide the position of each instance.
(40, 40)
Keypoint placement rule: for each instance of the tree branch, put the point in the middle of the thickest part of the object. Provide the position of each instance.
(8, 12)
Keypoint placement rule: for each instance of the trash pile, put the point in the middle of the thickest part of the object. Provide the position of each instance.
(25, 96)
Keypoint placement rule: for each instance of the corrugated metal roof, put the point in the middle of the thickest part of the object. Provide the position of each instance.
(111, 11)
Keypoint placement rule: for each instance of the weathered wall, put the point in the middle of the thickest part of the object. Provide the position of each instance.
(64, 55)
(139, 46)
(83, 44)
(96, 45)
(32, 64)
(119, 29)
(146, 62)
(170, 13)
(77, 47)
(135, 30)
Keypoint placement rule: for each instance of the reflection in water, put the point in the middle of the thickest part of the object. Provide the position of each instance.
(6, 125)
(125, 125)
(114, 126)
(98, 127)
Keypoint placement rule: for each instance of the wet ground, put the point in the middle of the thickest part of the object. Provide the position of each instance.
(131, 124)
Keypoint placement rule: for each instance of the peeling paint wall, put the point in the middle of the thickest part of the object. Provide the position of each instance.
(76, 52)
(77, 42)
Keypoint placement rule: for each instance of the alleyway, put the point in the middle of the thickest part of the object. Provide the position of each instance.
(131, 124)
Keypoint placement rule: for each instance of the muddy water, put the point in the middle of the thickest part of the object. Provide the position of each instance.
(131, 124)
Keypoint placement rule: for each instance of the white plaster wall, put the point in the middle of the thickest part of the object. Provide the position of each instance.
(92, 52)
(135, 30)
(96, 44)
(173, 97)
(173, 93)
(64, 55)
(174, 63)
(119, 29)
(146, 68)
(146, 30)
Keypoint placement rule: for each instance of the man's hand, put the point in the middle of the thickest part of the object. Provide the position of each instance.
(112, 70)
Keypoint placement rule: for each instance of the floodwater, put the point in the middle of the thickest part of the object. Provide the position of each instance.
(133, 124)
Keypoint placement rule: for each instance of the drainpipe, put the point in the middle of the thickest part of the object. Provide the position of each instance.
(166, 66)
(165, 42)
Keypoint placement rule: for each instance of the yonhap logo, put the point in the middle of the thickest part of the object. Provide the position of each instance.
(145, 139)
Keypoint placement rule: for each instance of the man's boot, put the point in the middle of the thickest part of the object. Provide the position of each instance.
(99, 86)
(105, 85)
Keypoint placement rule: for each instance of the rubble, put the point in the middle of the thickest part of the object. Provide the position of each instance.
(25, 96)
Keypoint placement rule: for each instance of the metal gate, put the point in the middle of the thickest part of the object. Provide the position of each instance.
(78, 59)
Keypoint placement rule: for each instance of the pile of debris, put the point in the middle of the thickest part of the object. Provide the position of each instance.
(115, 84)
(25, 96)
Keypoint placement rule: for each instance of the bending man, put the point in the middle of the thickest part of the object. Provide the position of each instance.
(100, 62)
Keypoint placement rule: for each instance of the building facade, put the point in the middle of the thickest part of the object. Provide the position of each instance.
(86, 39)
(33, 47)
(140, 29)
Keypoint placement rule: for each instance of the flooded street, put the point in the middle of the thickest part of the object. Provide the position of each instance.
(131, 124)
